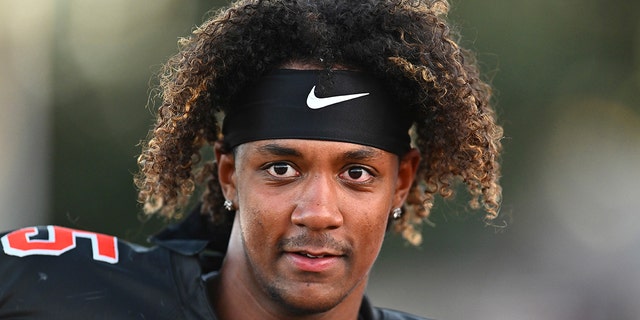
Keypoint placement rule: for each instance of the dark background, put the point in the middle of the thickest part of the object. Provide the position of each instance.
(75, 81)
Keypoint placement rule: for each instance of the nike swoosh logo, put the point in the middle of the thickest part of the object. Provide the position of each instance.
(314, 102)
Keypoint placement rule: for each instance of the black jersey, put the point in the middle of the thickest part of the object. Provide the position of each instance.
(52, 272)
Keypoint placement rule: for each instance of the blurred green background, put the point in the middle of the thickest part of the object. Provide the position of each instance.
(75, 79)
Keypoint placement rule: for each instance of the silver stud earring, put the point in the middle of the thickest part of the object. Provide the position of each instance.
(396, 213)
(228, 204)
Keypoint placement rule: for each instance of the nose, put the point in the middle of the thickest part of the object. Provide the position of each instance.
(317, 207)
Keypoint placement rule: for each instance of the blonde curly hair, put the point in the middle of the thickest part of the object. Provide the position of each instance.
(408, 44)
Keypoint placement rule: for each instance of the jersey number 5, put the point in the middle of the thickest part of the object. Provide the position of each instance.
(20, 243)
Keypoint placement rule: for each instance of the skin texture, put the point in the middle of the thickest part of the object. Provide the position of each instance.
(302, 196)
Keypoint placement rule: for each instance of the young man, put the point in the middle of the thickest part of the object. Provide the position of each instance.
(341, 119)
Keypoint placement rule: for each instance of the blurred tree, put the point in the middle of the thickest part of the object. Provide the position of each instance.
(106, 52)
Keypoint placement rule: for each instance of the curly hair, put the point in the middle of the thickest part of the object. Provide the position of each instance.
(407, 44)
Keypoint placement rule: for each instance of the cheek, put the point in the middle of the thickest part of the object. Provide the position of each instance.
(260, 220)
(368, 226)
(255, 238)
(375, 235)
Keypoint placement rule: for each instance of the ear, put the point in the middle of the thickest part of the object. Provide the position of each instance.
(406, 175)
(226, 171)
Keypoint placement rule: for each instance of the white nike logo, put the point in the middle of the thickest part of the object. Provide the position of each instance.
(318, 103)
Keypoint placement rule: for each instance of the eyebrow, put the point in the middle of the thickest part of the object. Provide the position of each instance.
(278, 150)
(365, 153)
(361, 154)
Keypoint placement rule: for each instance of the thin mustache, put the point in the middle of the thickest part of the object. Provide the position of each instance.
(323, 241)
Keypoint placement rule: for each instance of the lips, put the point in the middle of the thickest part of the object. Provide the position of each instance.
(314, 261)
(315, 256)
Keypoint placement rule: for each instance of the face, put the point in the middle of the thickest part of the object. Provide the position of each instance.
(311, 217)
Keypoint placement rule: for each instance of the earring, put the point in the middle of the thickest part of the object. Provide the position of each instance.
(228, 204)
(396, 213)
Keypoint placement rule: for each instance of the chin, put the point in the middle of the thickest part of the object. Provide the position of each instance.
(305, 302)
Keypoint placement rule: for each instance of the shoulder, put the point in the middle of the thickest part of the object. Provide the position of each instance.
(56, 240)
(53, 270)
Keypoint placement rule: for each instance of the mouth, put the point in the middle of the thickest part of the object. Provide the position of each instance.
(315, 253)
(314, 256)
(314, 261)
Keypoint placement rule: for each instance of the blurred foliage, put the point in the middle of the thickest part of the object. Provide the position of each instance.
(104, 73)
(534, 53)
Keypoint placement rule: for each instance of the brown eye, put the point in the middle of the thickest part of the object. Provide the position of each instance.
(282, 169)
(356, 174)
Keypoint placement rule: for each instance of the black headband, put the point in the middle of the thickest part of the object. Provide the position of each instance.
(344, 106)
